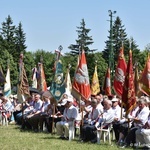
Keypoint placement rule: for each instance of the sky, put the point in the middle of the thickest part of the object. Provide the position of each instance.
(51, 23)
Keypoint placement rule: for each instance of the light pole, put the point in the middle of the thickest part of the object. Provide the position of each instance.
(111, 51)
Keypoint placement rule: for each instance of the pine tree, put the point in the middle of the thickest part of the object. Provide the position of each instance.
(20, 41)
(83, 40)
(131, 44)
(119, 35)
(8, 35)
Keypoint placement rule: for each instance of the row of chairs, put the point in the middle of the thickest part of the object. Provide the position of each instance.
(3, 119)
(106, 133)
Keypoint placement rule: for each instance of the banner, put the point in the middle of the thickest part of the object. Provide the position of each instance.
(128, 95)
(2, 77)
(81, 82)
(120, 74)
(95, 87)
(138, 92)
(34, 78)
(41, 81)
(107, 83)
(23, 85)
(7, 85)
(145, 78)
(68, 83)
(57, 88)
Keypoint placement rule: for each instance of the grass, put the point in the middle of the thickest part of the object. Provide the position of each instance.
(13, 138)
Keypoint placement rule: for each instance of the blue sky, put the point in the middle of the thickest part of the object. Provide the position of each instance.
(50, 23)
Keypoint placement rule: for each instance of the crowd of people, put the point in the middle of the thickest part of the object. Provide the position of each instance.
(40, 113)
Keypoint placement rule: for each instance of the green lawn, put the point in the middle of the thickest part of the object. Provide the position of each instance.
(12, 138)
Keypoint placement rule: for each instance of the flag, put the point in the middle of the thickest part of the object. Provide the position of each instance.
(23, 85)
(138, 92)
(34, 78)
(107, 83)
(120, 74)
(58, 54)
(68, 81)
(57, 88)
(74, 92)
(128, 95)
(81, 82)
(7, 85)
(2, 77)
(145, 78)
(41, 81)
(95, 87)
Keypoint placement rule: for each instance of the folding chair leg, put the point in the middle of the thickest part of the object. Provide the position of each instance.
(71, 133)
(99, 133)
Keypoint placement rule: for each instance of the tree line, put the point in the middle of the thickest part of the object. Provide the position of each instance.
(12, 43)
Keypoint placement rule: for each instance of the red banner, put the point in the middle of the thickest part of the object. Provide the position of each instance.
(107, 83)
(145, 78)
(81, 80)
(120, 73)
(128, 95)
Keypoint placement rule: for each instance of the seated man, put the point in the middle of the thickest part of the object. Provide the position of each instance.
(143, 135)
(88, 128)
(35, 111)
(68, 118)
(107, 116)
(140, 119)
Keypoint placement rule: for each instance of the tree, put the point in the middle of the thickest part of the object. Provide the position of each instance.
(83, 40)
(92, 59)
(5, 57)
(29, 63)
(118, 36)
(20, 41)
(131, 44)
(8, 35)
(48, 63)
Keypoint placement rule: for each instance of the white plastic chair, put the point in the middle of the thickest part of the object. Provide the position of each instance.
(106, 133)
(71, 131)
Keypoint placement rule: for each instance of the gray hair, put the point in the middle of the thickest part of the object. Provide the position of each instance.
(108, 101)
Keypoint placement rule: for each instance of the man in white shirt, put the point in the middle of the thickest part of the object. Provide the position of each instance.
(88, 127)
(105, 118)
(68, 118)
(36, 110)
(117, 116)
(140, 119)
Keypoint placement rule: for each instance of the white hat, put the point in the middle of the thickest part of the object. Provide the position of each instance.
(64, 101)
(69, 99)
(114, 99)
(15, 96)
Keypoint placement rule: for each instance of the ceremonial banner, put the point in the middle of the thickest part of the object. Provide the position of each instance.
(7, 85)
(95, 87)
(2, 77)
(76, 94)
(128, 95)
(58, 85)
(107, 83)
(68, 81)
(120, 74)
(138, 91)
(41, 81)
(145, 78)
(23, 85)
(34, 78)
(81, 82)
